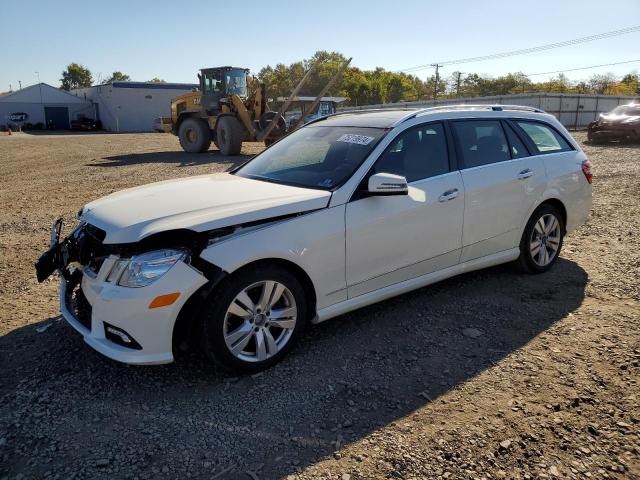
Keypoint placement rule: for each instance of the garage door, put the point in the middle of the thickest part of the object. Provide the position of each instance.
(57, 117)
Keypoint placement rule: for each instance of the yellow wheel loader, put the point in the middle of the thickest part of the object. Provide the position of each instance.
(230, 108)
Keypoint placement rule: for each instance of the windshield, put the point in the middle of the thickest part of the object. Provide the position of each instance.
(626, 110)
(236, 82)
(314, 156)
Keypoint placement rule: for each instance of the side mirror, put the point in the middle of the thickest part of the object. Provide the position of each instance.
(387, 184)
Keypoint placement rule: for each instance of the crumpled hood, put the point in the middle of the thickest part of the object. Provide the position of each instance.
(197, 203)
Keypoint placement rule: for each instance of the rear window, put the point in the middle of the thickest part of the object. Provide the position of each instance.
(482, 142)
(545, 138)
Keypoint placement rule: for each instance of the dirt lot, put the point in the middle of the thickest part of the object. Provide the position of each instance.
(544, 385)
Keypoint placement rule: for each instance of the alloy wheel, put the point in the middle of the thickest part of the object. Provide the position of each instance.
(545, 240)
(260, 321)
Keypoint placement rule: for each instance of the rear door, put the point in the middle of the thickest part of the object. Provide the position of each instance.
(502, 180)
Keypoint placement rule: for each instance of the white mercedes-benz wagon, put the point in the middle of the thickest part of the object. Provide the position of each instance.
(349, 210)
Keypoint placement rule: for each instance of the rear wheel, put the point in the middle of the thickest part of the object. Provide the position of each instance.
(542, 240)
(194, 135)
(229, 133)
(255, 318)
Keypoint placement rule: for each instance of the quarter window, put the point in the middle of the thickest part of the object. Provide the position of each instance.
(482, 142)
(418, 153)
(545, 138)
(518, 150)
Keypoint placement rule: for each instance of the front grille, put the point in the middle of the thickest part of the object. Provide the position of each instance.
(78, 304)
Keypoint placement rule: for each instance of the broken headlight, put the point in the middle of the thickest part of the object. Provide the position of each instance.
(144, 269)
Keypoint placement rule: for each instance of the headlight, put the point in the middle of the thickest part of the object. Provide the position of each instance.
(632, 121)
(142, 270)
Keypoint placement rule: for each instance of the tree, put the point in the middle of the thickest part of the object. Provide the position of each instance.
(157, 80)
(369, 87)
(118, 77)
(631, 82)
(76, 76)
(601, 83)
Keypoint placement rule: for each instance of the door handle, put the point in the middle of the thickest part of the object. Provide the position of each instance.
(448, 195)
(525, 174)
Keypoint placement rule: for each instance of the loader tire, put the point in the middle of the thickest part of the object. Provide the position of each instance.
(229, 133)
(194, 135)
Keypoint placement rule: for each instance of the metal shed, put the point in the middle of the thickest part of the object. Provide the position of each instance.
(132, 106)
(42, 105)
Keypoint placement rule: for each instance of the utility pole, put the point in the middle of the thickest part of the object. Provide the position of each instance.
(458, 76)
(435, 85)
(44, 113)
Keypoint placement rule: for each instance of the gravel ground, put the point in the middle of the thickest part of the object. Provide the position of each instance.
(492, 374)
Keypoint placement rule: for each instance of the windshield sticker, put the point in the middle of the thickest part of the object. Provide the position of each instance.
(327, 182)
(357, 139)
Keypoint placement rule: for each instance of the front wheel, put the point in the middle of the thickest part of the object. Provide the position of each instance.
(542, 240)
(194, 135)
(229, 133)
(255, 318)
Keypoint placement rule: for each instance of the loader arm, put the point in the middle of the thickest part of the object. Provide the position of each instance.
(326, 88)
(244, 115)
(283, 108)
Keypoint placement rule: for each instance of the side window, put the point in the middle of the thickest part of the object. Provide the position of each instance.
(518, 150)
(418, 153)
(482, 142)
(213, 82)
(546, 139)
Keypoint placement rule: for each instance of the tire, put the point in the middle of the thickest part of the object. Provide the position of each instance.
(542, 239)
(229, 133)
(194, 135)
(234, 325)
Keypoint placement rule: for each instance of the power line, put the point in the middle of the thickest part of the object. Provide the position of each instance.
(581, 68)
(539, 48)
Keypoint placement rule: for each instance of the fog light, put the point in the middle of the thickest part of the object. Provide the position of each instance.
(120, 337)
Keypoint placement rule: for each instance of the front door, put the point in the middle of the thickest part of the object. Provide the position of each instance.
(391, 239)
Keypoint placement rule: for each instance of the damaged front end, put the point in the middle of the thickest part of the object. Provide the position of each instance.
(84, 246)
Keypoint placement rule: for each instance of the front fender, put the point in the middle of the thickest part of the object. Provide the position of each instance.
(315, 242)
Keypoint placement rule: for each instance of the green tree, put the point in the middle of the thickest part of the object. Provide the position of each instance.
(156, 80)
(632, 82)
(118, 77)
(76, 76)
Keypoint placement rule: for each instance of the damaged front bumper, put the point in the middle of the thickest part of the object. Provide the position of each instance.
(117, 321)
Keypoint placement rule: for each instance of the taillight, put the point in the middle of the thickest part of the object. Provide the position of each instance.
(586, 169)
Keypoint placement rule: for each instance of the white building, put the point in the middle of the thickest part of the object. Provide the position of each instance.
(42, 104)
(132, 106)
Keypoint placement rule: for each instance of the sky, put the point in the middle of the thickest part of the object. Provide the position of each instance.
(173, 39)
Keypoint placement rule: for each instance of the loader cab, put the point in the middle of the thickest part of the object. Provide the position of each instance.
(222, 82)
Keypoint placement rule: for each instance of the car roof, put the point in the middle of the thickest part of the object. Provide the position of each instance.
(367, 118)
(388, 117)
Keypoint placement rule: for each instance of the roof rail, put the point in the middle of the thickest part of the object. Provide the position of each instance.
(413, 112)
(470, 106)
